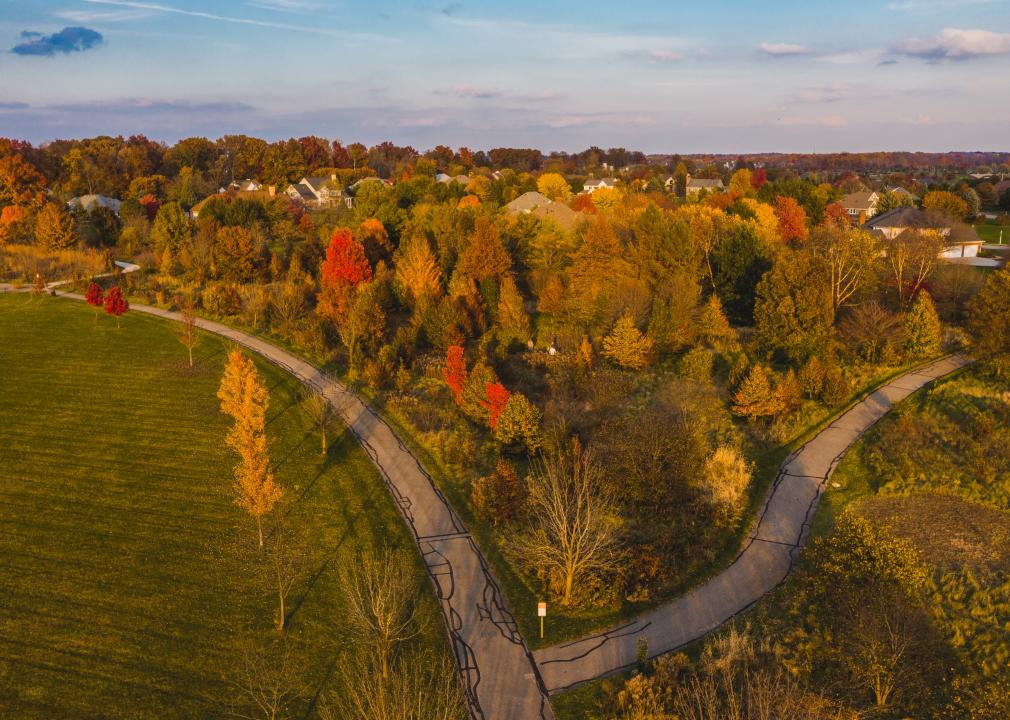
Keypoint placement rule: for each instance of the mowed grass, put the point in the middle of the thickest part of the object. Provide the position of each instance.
(125, 572)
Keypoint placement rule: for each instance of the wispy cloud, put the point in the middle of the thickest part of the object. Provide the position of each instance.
(157, 7)
(139, 106)
(917, 5)
(67, 40)
(471, 92)
(821, 94)
(782, 49)
(98, 16)
(14, 106)
(292, 6)
(664, 56)
(955, 44)
(813, 121)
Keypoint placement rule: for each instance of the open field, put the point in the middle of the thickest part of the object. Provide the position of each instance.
(126, 577)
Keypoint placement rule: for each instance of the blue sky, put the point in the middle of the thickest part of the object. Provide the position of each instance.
(660, 76)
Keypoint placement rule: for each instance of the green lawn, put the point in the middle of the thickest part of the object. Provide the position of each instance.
(990, 232)
(125, 579)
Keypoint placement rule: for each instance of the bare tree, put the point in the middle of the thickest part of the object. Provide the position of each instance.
(911, 256)
(422, 687)
(286, 558)
(322, 414)
(382, 593)
(265, 681)
(187, 332)
(847, 257)
(572, 513)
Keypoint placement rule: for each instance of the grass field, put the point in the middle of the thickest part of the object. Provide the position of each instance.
(124, 583)
(990, 232)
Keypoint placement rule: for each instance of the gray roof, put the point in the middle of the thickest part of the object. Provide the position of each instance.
(527, 202)
(898, 190)
(302, 191)
(90, 202)
(905, 217)
(703, 183)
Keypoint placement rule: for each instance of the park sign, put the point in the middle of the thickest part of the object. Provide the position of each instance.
(541, 609)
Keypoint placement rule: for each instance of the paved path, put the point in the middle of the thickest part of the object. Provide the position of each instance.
(768, 555)
(497, 670)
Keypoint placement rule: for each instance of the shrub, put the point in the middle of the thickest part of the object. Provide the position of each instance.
(727, 475)
(501, 496)
(836, 387)
(696, 364)
(222, 299)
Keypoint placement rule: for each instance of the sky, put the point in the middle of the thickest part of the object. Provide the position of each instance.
(661, 76)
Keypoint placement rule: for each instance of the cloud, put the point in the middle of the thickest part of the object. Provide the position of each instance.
(136, 106)
(955, 44)
(782, 49)
(14, 106)
(814, 121)
(92, 16)
(473, 93)
(664, 56)
(822, 94)
(916, 5)
(158, 7)
(294, 6)
(67, 40)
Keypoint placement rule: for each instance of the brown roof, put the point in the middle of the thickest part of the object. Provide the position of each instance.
(559, 213)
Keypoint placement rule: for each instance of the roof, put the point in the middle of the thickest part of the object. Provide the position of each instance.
(90, 202)
(602, 182)
(862, 200)
(898, 190)
(559, 213)
(318, 182)
(302, 191)
(905, 218)
(703, 183)
(527, 202)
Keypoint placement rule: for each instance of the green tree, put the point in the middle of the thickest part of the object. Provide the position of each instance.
(519, 421)
(513, 322)
(923, 329)
(172, 230)
(680, 180)
(989, 323)
(713, 327)
(793, 313)
(947, 203)
(54, 228)
(235, 254)
(626, 345)
(756, 397)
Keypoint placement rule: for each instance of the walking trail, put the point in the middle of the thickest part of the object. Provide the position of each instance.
(502, 679)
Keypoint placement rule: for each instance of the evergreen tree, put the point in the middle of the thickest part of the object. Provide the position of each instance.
(923, 329)
(756, 397)
(989, 322)
(626, 345)
(54, 228)
(513, 322)
(713, 328)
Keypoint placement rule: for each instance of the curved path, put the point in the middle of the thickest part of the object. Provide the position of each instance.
(771, 549)
(499, 677)
(503, 680)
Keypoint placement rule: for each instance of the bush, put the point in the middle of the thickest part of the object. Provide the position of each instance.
(836, 387)
(499, 497)
(222, 299)
(696, 364)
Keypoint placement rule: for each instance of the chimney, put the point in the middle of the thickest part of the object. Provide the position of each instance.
(272, 189)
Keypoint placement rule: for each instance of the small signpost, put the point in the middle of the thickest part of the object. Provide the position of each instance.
(542, 613)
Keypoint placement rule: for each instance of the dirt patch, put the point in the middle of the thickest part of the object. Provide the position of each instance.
(951, 533)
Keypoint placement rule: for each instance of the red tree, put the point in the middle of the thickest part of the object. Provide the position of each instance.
(455, 371)
(151, 204)
(95, 297)
(835, 214)
(116, 303)
(792, 219)
(345, 259)
(583, 203)
(758, 178)
(497, 396)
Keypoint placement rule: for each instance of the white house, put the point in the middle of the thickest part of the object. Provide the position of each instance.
(860, 204)
(696, 185)
(316, 190)
(591, 186)
(961, 241)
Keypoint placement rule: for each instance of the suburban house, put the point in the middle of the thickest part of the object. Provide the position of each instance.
(961, 240)
(862, 204)
(320, 190)
(541, 206)
(527, 202)
(246, 185)
(90, 202)
(696, 185)
(591, 186)
(461, 179)
(902, 193)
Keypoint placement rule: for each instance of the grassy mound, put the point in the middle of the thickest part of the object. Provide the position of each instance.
(126, 583)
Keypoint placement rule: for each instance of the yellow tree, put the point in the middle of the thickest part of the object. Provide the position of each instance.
(626, 345)
(54, 228)
(554, 186)
(244, 397)
(417, 272)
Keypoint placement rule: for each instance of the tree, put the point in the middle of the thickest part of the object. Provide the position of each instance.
(417, 273)
(455, 371)
(116, 303)
(20, 183)
(740, 183)
(187, 332)
(375, 239)
(15, 225)
(911, 256)
(364, 321)
(713, 328)
(484, 256)
(727, 475)
(989, 323)
(500, 496)
(847, 256)
(571, 511)
(172, 230)
(923, 329)
(554, 186)
(793, 311)
(519, 420)
(54, 228)
(382, 594)
(264, 680)
(345, 260)
(495, 399)
(95, 297)
(792, 220)
(871, 331)
(244, 397)
(890, 200)
(680, 180)
(626, 345)
(235, 254)
(322, 413)
(947, 203)
(755, 397)
(513, 322)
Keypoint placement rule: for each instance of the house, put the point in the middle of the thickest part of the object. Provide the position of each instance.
(323, 190)
(267, 193)
(528, 202)
(696, 185)
(591, 186)
(902, 193)
(961, 241)
(90, 202)
(461, 179)
(246, 185)
(862, 204)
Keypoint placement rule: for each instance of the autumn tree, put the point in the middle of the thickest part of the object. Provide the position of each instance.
(364, 322)
(726, 478)
(923, 329)
(500, 496)
(345, 267)
(495, 399)
(571, 510)
(946, 203)
(95, 297)
(172, 230)
(21, 184)
(15, 224)
(375, 239)
(680, 180)
(554, 186)
(518, 421)
(714, 329)
(756, 397)
(235, 254)
(484, 256)
(116, 303)
(792, 220)
(847, 256)
(245, 399)
(54, 228)
(626, 346)
(454, 371)
(989, 323)
(187, 332)
(322, 413)
(513, 323)
(911, 257)
(382, 596)
(418, 277)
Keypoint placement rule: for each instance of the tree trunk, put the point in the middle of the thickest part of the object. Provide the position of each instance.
(280, 609)
(325, 444)
(259, 530)
(569, 580)
(190, 356)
